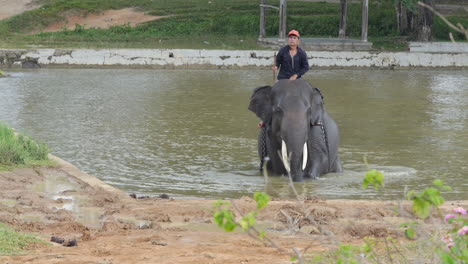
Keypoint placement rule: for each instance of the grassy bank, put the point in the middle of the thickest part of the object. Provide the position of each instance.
(208, 24)
(17, 150)
(15, 243)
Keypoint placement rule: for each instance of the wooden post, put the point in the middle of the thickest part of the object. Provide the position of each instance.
(343, 18)
(262, 32)
(365, 19)
(282, 20)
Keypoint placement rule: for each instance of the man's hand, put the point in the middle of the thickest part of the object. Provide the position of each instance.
(274, 68)
(294, 77)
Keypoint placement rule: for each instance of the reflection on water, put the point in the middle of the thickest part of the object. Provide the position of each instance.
(188, 133)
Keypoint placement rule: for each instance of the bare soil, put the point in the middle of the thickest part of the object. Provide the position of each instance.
(109, 226)
(104, 20)
(10, 8)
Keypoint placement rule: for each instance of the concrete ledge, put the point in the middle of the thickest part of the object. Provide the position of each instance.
(320, 44)
(439, 47)
(93, 182)
(185, 58)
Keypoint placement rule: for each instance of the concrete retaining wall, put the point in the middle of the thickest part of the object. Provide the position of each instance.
(149, 58)
(439, 47)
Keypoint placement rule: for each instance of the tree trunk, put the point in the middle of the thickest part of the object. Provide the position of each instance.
(409, 20)
(398, 16)
(343, 17)
(365, 19)
(424, 22)
(282, 22)
(262, 32)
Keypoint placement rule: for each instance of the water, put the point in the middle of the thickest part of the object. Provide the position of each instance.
(188, 133)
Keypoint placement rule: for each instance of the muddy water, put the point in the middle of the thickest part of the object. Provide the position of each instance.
(188, 133)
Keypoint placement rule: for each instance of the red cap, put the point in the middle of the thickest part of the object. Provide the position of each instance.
(294, 32)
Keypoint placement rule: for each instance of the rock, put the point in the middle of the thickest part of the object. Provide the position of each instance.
(164, 196)
(57, 239)
(70, 243)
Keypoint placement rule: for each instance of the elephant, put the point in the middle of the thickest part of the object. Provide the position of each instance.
(297, 135)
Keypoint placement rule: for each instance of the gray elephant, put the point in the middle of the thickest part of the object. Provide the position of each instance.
(297, 127)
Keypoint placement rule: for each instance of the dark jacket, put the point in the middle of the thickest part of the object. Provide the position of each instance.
(291, 65)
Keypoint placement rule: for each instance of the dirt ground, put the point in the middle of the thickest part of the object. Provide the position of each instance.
(106, 19)
(109, 226)
(10, 8)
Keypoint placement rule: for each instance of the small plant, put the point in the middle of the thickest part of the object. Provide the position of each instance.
(225, 218)
(16, 149)
(456, 240)
(13, 243)
(374, 178)
(347, 254)
(410, 230)
(424, 201)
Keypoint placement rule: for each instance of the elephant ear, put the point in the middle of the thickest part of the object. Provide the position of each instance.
(316, 107)
(260, 103)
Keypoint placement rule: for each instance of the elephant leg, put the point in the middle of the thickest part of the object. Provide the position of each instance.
(262, 146)
(318, 154)
(337, 167)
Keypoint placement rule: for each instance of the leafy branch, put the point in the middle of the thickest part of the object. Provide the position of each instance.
(459, 28)
(429, 198)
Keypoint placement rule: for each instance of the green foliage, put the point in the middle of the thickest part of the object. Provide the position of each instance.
(224, 217)
(410, 230)
(13, 243)
(375, 178)
(441, 29)
(347, 254)
(248, 221)
(408, 4)
(431, 197)
(262, 199)
(17, 149)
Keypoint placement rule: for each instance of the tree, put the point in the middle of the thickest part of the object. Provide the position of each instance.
(424, 22)
(415, 20)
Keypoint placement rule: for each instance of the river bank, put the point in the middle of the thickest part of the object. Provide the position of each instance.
(190, 58)
(109, 226)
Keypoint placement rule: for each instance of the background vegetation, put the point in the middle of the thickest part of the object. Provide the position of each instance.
(204, 23)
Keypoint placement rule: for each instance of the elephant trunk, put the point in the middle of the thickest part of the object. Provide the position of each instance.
(294, 131)
(294, 160)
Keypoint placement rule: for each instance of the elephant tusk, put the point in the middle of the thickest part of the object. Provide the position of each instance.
(284, 156)
(304, 156)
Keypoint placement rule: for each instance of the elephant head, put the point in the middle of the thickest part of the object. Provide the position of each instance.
(290, 109)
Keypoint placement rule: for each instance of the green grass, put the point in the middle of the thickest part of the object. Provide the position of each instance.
(222, 23)
(17, 150)
(190, 25)
(392, 43)
(15, 243)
